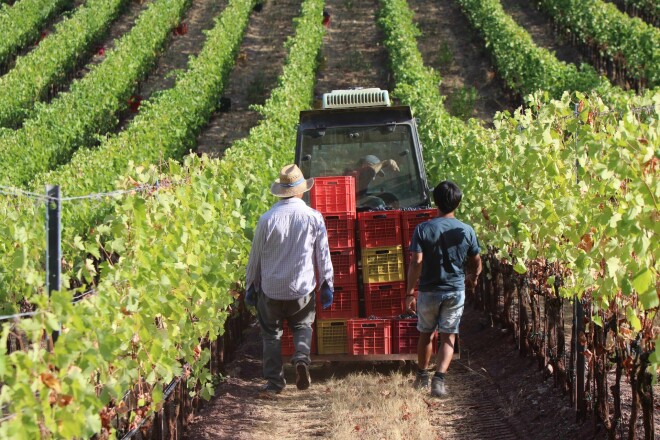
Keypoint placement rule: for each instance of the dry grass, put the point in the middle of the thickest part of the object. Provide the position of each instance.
(373, 406)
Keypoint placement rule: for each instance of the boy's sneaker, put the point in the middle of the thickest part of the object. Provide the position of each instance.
(438, 387)
(302, 376)
(421, 380)
(269, 388)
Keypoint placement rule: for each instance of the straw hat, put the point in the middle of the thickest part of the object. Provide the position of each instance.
(291, 182)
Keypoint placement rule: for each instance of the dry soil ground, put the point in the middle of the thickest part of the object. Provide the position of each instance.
(495, 395)
(259, 63)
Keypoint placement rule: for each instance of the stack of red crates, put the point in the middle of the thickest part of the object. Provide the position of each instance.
(382, 263)
(334, 197)
(409, 221)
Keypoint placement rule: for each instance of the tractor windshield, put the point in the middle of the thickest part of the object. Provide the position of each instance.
(382, 159)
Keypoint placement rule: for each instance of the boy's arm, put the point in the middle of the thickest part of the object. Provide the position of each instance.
(414, 272)
(473, 270)
(473, 266)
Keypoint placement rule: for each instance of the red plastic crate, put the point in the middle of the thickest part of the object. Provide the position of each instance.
(369, 336)
(384, 299)
(379, 228)
(405, 336)
(333, 195)
(345, 303)
(344, 263)
(341, 230)
(410, 220)
(287, 340)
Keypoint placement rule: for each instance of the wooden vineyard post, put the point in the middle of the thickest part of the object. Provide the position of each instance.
(523, 315)
(578, 348)
(646, 398)
(54, 247)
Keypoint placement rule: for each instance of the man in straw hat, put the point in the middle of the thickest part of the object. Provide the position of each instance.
(289, 258)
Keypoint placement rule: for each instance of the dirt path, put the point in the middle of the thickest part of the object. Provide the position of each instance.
(47, 29)
(188, 40)
(239, 411)
(352, 53)
(469, 80)
(496, 394)
(526, 400)
(259, 63)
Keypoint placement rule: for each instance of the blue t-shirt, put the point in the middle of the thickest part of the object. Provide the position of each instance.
(445, 244)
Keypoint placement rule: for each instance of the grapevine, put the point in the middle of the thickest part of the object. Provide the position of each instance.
(90, 106)
(47, 65)
(163, 293)
(20, 24)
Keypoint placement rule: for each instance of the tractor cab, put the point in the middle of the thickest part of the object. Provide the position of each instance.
(358, 133)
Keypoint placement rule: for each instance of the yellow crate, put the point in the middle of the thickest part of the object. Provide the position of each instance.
(331, 336)
(383, 264)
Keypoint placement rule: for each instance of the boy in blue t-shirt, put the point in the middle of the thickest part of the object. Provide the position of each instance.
(445, 260)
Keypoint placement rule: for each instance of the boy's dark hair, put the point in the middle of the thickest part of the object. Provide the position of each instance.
(447, 196)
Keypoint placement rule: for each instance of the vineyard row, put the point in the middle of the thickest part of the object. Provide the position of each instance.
(569, 186)
(524, 66)
(36, 74)
(90, 107)
(21, 23)
(628, 42)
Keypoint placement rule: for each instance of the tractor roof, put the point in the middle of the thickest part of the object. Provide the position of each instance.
(346, 117)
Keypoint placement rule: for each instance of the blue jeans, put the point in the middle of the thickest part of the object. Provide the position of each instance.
(439, 309)
(300, 314)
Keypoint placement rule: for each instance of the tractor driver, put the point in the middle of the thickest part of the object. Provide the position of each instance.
(368, 167)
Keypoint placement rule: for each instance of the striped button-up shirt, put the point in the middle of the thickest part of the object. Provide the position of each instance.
(290, 247)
